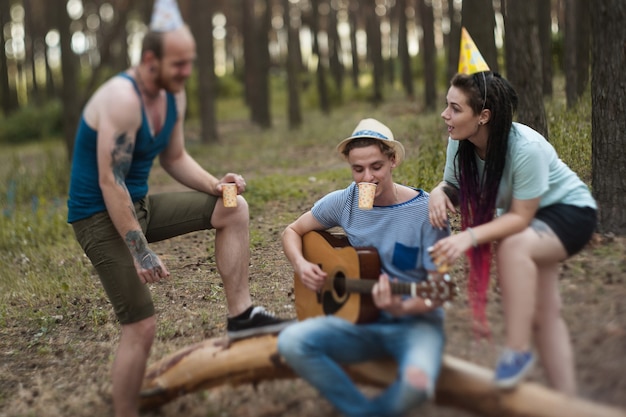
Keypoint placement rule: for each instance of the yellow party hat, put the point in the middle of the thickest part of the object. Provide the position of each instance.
(470, 59)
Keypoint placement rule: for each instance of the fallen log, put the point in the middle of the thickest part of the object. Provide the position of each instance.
(463, 385)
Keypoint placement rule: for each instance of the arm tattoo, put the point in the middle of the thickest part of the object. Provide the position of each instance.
(136, 242)
(121, 157)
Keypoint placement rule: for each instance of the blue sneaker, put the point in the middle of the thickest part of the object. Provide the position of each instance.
(512, 367)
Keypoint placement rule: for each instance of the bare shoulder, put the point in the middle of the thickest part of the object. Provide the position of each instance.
(115, 101)
(181, 103)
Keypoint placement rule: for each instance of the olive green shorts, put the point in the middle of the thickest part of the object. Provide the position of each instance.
(161, 216)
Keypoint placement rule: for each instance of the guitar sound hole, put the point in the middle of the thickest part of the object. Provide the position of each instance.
(339, 285)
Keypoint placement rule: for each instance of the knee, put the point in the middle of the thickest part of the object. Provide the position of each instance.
(287, 344)
(417, 379)
(510, 245)
(141, 333)
(416, 388)
(231, 217)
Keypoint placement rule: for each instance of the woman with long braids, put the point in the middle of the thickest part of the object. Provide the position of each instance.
(511, 189)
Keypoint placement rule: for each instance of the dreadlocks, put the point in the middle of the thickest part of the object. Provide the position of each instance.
(478, 193)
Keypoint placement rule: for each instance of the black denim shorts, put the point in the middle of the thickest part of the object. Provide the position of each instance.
(573, 225)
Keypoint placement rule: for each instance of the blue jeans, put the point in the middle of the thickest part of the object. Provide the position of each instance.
(315, 347)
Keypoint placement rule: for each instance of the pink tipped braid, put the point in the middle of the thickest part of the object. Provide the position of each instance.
(477, 207)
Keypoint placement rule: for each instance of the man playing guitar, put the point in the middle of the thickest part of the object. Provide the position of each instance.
(409, 328)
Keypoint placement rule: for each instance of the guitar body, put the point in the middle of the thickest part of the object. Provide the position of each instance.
(339, 260)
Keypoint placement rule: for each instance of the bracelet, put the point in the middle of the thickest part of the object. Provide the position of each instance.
(473, 235)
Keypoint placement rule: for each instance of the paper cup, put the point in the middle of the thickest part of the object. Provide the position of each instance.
(229, 194)
(367, 191)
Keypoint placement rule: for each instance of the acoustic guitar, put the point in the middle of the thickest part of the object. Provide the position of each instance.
(352, 272)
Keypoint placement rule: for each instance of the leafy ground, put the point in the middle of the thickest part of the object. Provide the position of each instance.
(56, 352)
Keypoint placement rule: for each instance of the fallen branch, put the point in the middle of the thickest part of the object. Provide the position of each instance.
(463, 385)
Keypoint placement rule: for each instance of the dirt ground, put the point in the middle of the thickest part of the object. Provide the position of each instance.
(65, 371)
(59, 366)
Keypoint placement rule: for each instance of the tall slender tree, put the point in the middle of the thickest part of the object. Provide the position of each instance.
(374, 48)
(608, 106)
(201, 22)
(544, 24)
(577, 26)
(454, 39)
(353, 19)
(479, 19)
(429, 54)
(322, 88)
(523, 62)
(293, 64)
(250, 69)
(334, 51)
(403, 50)
(70, 95)
(7, 94)
(262, 107)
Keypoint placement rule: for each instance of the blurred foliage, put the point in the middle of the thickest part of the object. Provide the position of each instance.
(32, 123)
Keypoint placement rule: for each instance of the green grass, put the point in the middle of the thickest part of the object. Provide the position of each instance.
(40, 262)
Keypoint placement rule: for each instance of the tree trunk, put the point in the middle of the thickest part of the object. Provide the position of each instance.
(429, 53)
(293, 69)
(544, 22)
(374, 48)
(608, 106)
(30, 67)
(352, 17)
(480, 21)
(462, 385)
(322, 88)
(334, 51)
(576, 49)
(69, 69)
(7, 94)
(250, 63)
(201, 21)
(454, 39)
(263, 105)
(403, 50)
(522, 59)
(583, 33)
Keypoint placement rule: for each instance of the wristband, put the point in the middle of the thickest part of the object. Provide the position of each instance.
(474, 240)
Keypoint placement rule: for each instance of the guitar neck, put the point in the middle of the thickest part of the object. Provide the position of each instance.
(363, 286)
(434, 289)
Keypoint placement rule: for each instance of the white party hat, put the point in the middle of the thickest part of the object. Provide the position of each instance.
(166, 16)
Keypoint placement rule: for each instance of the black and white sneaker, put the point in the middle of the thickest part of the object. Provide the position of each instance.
(253, 322)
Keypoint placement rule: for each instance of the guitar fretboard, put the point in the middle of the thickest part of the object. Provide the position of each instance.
(430, 289)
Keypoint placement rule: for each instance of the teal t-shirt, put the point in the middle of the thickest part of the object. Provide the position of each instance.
(85, 196)
(532, 169)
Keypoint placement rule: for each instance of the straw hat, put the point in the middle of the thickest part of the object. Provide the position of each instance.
(372, 128)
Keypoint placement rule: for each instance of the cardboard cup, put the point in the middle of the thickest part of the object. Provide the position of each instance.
(229, 194)
(367, 191)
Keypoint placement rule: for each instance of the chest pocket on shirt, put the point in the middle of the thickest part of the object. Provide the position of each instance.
(405, 257)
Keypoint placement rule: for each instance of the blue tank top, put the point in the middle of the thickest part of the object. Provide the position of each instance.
(85, 196)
